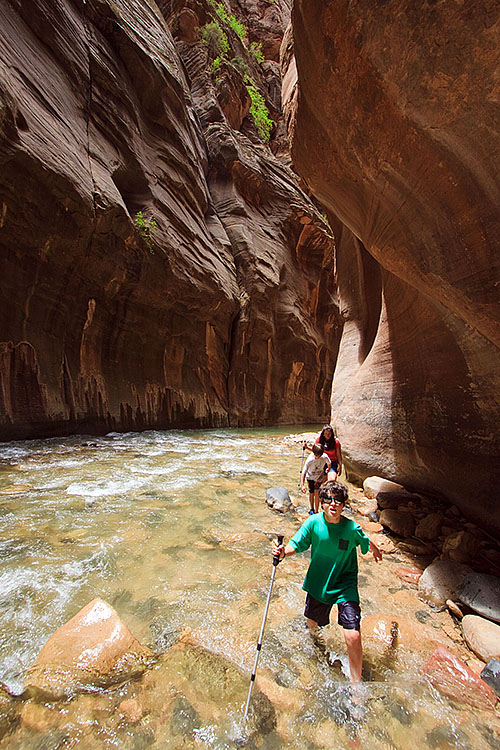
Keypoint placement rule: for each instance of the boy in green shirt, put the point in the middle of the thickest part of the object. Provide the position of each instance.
(332, 576)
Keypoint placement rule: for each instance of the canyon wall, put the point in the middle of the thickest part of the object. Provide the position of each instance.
(159, 264)
(395, 128)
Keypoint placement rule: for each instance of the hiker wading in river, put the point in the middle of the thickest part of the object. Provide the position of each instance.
(332, 576)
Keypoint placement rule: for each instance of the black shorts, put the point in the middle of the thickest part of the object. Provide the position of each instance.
(349, 613)
(313, 486)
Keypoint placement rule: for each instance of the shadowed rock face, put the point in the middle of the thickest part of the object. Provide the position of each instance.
(396, 133)
(228, 317)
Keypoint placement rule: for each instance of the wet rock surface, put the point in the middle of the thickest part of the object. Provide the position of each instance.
(93, 649)
(453, 678)
(379, 120)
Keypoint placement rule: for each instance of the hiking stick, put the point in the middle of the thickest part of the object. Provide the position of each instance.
(276, 559)
(301, 466)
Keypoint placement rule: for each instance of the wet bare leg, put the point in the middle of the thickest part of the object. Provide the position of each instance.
(312, 625)
(316, 634)
(355, 654)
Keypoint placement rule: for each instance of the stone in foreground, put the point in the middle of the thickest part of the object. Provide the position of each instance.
(453, 678)
(93, 649)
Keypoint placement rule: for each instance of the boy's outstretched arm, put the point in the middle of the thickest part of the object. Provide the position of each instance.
(282, 550)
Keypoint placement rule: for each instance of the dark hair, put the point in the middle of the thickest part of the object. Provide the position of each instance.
(317, 449)
(334, 490)
(328, 443)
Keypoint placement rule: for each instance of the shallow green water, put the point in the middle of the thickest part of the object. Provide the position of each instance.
(172, 529)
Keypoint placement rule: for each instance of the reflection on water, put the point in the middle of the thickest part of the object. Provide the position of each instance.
(172, 529)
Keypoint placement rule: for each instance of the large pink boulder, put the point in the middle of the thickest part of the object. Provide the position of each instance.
(94, 648)
(452, 677)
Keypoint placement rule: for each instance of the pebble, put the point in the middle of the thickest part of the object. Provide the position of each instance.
(454, 609)
(131, 710)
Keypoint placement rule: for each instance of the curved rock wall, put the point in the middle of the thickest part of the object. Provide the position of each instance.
(395, 127)
(221, 314)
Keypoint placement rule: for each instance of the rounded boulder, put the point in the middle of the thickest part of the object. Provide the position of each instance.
(482, 636)
(373, 485)
(278, 499)
(93, 649)
(441, 580)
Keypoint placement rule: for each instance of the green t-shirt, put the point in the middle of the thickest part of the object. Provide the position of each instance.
(332, 575)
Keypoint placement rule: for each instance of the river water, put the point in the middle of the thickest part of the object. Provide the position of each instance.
(172, 529)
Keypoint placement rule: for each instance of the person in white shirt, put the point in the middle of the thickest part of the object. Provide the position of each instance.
(315, 471)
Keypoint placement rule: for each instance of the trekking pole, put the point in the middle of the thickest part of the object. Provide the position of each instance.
(276, 559)
(301, 465)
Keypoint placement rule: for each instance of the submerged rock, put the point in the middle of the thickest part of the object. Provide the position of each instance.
(9, 711)
(93, 649)
(410, 575)
(452, 677)
(191, 681)
(16, 489)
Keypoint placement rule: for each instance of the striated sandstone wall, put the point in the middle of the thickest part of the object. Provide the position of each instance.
(395, 128)
(231, 318)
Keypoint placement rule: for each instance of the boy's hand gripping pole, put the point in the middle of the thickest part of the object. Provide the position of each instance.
(276, 559)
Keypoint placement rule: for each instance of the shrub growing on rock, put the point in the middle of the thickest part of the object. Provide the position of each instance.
(215, 39)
